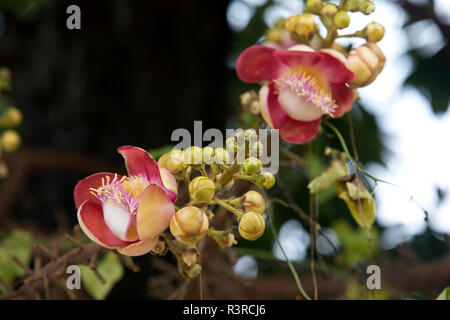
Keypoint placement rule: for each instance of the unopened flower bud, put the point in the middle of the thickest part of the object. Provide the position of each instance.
(193, 155)
(250, 134)
(366, 63)
(11, 117)
(193, 271)
(255, 107)
(256, 150)
(174, 162)
(224, 239)
(251, 226)
(329, 10)
(190, 256)
(248, 97)
(305, 25)
(291, 22)
(367, 7)
(161, 247)
(189, 225)
(252, 165)
(221, 156)
(274, 34)
(208, 155)
(239, 135)
(269, 180)
(10, 140)
(314, 6)
(342, 19)
(253, 201)
(231, 145)
(202, 189)
(374, 32)
(162, 160)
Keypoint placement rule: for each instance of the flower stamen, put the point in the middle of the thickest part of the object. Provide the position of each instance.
(306, 86)
(123, 193)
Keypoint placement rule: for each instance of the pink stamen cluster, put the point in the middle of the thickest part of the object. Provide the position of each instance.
(118, 192)
(306, 87)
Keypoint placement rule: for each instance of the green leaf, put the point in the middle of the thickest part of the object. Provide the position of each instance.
(18, 244)
(158, 152)
(354, 243)
(362, 210)
(431, 77)
(336, 170)
(110, 268)
(445, 294)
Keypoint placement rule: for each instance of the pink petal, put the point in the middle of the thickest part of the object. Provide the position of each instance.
(120, 222)
(334, 69)
(82, 191)
(257, 63)
(263, 95)
(274, 110)
(139, 248)
(297, 132)
(169, 180)
(90, 218)
(343, 97)
(140, 163)
(154, 212)
(295, 58)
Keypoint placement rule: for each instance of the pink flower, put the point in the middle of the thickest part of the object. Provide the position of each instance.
(127, 213)
(303, 85)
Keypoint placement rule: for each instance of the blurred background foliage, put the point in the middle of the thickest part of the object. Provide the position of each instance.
(140, 69)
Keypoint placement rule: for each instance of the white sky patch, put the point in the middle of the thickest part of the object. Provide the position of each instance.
(294, 240)
(426, 37)
(246, 267)
(442, 9)
(273, 13)
(255, 3)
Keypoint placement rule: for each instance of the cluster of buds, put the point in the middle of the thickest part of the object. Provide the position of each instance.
(10, 117)
(208, 172)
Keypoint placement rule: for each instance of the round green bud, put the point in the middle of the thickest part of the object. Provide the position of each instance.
(193, 155)
(231, 145)
(251, 226)
(252, 165)
(329, 10)
(269, 180)
(189, 225)
(314, 6)
(208, 155)
(202, 189)
(342, 20)
(257, 149)
(305, 25)
(11, 118)
(374, 32)
(174, 162)
(221, 156)
(250, 134)
(10, 140)
(367, 7)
